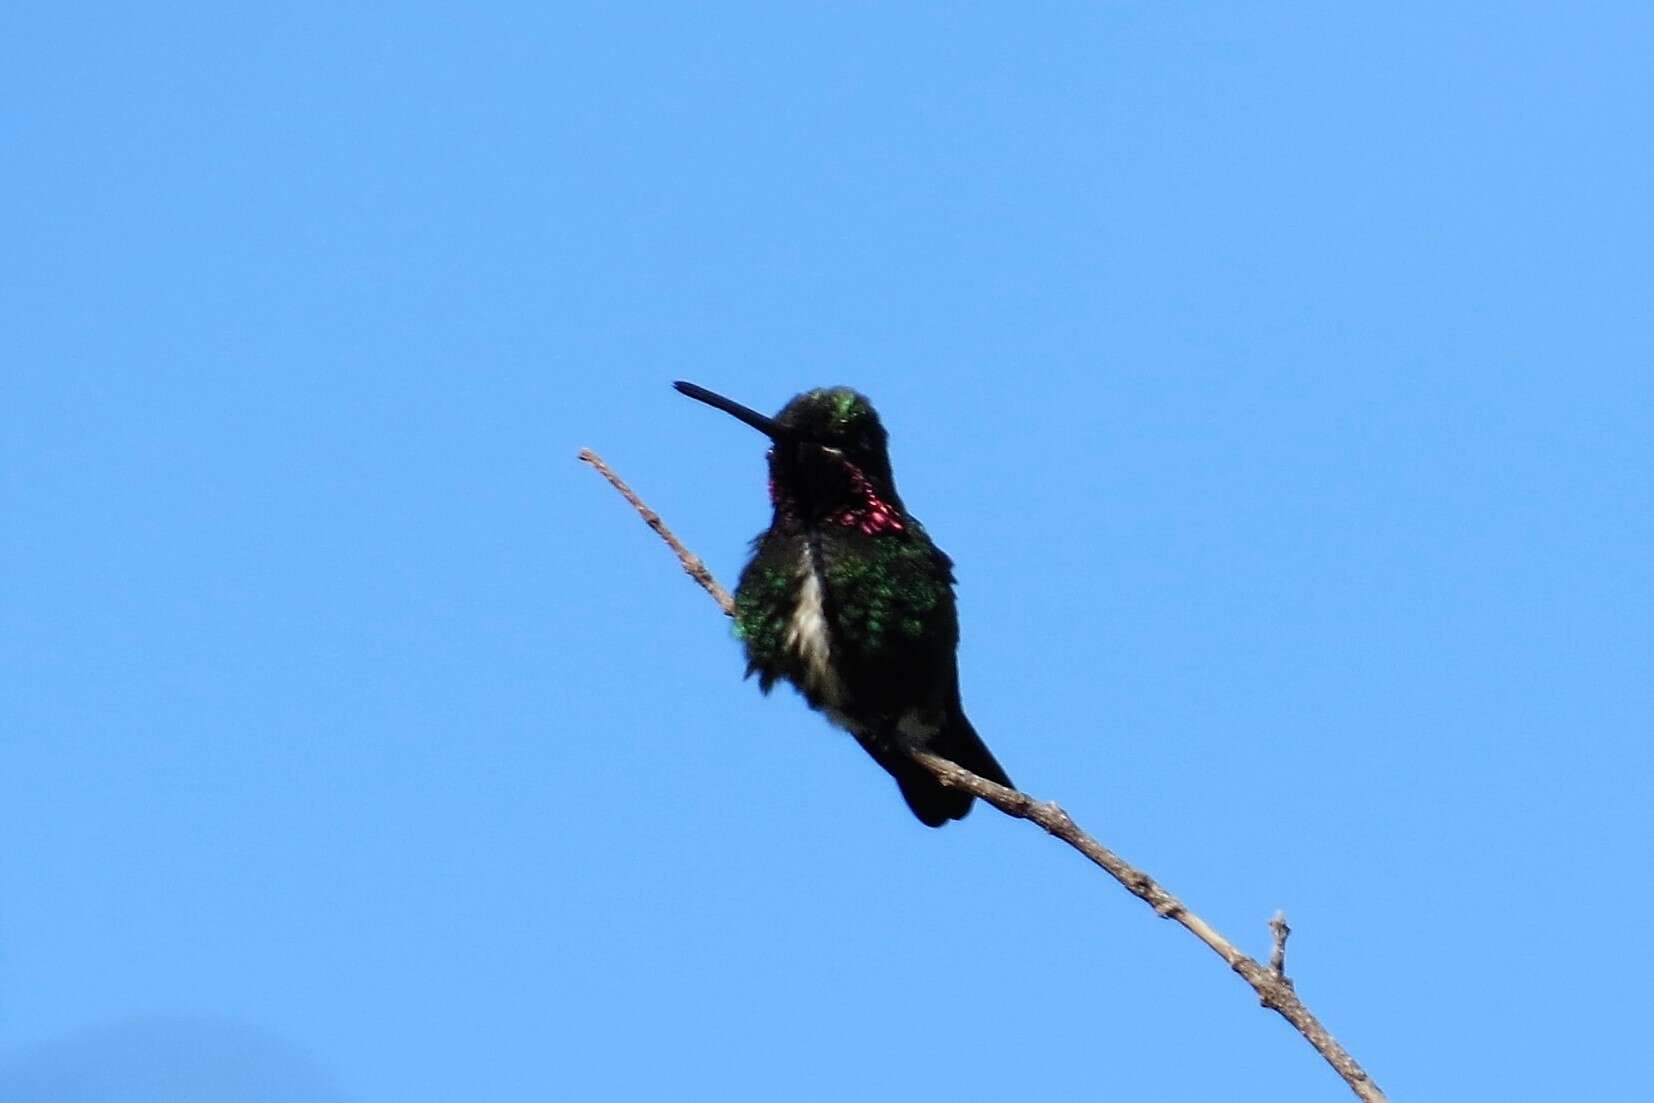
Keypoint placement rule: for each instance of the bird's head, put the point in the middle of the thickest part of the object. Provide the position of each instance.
(829, 457)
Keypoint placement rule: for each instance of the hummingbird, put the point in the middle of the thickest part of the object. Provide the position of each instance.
(846, 596)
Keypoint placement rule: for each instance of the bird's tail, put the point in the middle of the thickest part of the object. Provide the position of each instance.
(934, 803)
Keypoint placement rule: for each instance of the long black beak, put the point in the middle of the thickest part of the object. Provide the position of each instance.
(766, 425)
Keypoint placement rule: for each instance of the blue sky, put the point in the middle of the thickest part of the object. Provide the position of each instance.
(1278, 376)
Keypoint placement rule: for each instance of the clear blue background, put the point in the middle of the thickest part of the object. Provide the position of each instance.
(1278, 375)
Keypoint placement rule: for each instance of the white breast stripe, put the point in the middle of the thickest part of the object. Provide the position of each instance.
(808, 637)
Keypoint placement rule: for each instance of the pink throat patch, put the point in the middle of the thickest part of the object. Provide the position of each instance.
(872, 514)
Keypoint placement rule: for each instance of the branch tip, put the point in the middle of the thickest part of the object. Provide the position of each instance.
(1277, 955)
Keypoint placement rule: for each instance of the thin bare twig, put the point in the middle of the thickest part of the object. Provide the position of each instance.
(1274, 990)
(691, 562)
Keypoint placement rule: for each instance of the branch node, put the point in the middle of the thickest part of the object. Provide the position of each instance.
(1048, 814)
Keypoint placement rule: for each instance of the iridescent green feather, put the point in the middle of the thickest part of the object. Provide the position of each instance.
(886, 591)
(762, 606)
